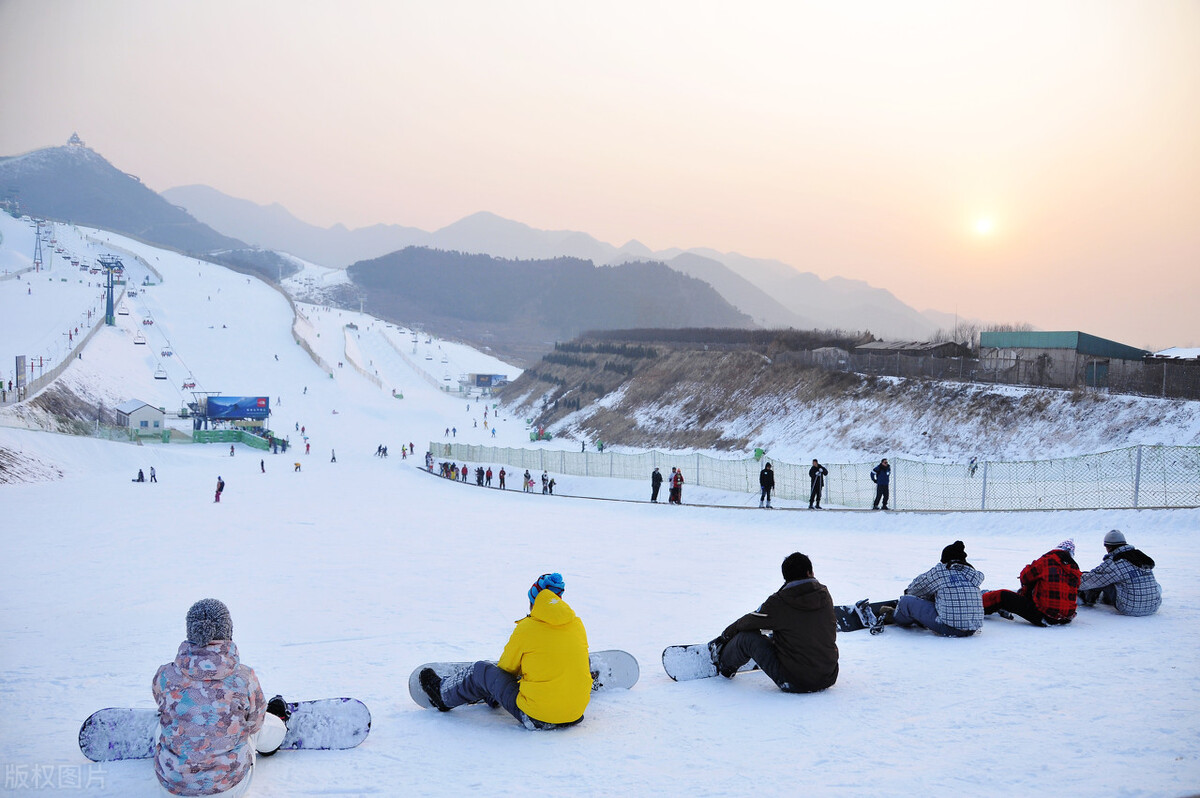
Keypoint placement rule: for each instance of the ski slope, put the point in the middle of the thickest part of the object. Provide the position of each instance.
(343, 577)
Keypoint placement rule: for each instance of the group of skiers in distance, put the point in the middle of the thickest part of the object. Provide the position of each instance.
(483, 477)
(880, 475)
(674, 485)
(816, 477)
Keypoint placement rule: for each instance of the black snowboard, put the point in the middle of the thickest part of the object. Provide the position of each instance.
(861, 615)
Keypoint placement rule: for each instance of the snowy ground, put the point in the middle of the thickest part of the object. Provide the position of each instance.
(344, 577)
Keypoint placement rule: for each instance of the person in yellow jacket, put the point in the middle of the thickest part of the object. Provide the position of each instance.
(543, 678)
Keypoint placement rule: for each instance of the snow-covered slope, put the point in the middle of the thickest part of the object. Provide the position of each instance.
(343, 577)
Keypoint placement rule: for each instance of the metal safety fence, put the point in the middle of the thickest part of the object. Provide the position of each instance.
(1136, 477)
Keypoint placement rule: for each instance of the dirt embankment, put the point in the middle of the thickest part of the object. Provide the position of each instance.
(690, 398)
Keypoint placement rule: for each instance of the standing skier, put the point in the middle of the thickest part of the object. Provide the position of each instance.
(676, 486)
(212, 714)
(881, 475)
(528, 481)
(220, 489)
(816, 476)
(656, 480)
(153, 475)
(766, 484)
(801, 654)
(543, 678)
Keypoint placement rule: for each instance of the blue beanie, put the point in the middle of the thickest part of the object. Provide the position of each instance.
(551, 582)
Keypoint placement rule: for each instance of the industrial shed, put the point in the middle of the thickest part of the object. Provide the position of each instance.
(1063, 359)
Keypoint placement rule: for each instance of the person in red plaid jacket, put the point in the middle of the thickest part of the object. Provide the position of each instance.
(1049, 590)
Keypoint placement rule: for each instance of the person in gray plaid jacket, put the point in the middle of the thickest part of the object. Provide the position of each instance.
(1125, 579)
(945, 599)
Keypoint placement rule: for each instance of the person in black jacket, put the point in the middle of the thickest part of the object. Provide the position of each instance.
(801, 654)
(881, 476)
(816, 476)
(655, 484)
(766, 484)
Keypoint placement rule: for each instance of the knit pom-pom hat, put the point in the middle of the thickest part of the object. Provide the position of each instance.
(552, 582)
(208, 620)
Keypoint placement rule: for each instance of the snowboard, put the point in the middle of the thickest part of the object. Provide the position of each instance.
(684, 663)
(122, 733)
(861, 615)
(611, 670)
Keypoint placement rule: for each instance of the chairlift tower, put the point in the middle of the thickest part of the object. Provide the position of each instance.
(110, 263)
(37, 248)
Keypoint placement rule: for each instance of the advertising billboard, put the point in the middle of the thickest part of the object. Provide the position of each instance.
(490, 380)
(238, 407)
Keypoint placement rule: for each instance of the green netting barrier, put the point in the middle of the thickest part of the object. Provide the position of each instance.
(230, 436)
(1140, 476)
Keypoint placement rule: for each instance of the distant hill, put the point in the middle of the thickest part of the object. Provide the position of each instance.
(75, 184)
(532, 303)
(274, 227)
(772, 293)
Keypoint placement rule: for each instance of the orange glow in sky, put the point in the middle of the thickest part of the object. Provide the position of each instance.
(1021, 161)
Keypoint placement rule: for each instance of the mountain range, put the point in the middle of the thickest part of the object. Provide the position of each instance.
(74, 183)
(523, 306)
(771, 292)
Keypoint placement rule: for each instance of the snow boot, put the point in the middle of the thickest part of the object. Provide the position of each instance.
(883, 618)
(277, 707)
(715, 647)
(431, 683)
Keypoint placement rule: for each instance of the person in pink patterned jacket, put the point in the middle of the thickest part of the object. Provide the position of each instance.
(212, 714)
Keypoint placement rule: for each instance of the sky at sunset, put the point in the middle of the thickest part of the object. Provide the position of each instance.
(1015, 162)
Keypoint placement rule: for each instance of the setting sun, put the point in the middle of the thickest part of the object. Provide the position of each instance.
(984, 226)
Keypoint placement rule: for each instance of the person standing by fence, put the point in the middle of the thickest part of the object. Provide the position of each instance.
(816, 477)
(881, 475)
(656, 480)
(676, 486)
(766, 484)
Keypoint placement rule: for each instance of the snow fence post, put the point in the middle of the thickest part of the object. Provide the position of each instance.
(1137, 477)
(983, 498)
(896, 482)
